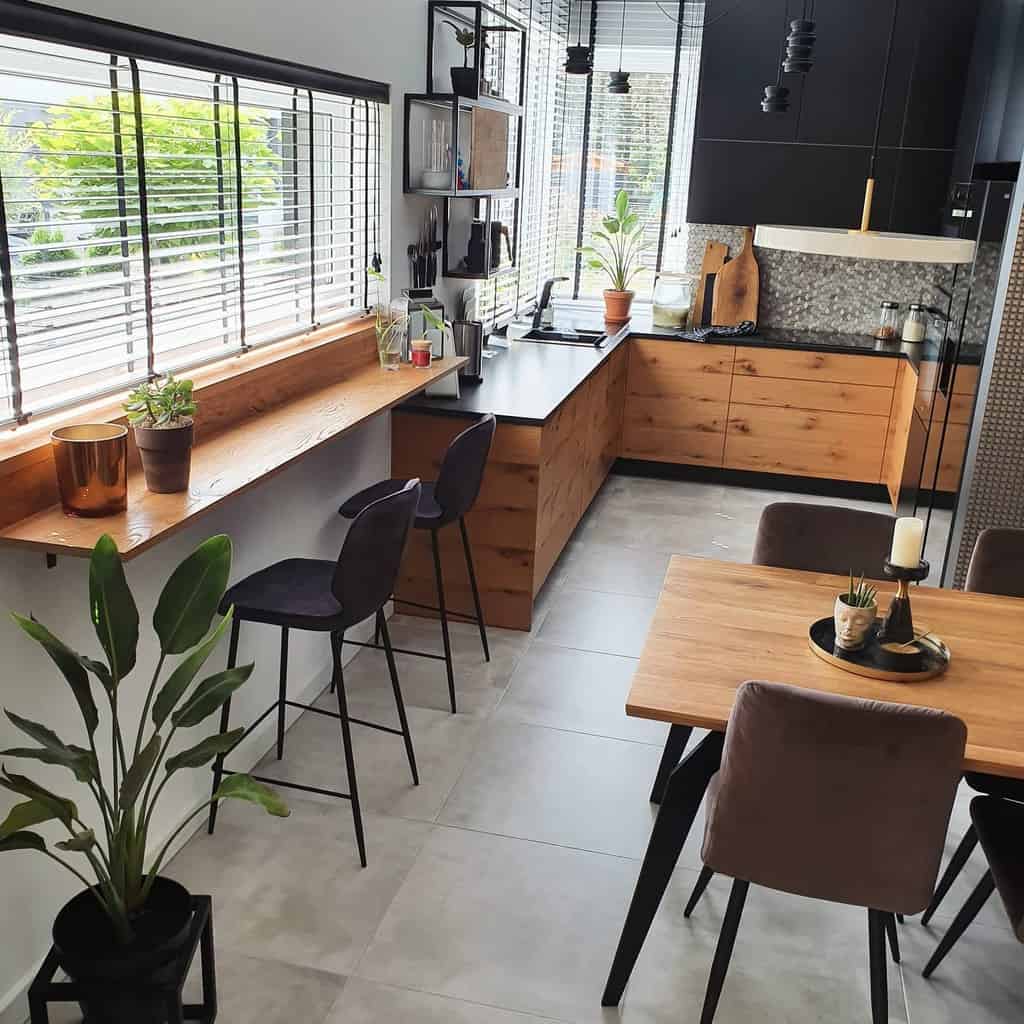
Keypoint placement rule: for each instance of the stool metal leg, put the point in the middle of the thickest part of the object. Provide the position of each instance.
(225, 713)
(706, 874)
(283, 692)
(444, 619)
(382, 627)
(476, 593)
(723, 951)
(955, 866)
(346, 737)
(894, 938)
(878, 967)
(968, 912)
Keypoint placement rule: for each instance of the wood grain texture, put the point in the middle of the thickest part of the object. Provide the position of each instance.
(232, 460)
(715, 254)
(502, 525)
(832, 445)
(795, 364)
(866, 399)
(897, 432)
(758, 618)
(737, 287)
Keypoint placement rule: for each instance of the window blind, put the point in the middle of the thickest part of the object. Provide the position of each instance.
(156, 217)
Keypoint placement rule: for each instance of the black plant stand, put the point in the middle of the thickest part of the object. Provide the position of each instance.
(44, 990)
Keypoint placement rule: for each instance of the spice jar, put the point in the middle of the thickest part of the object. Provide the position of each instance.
(421, 352)
(915, 325)
(888, 328)
(672, 295)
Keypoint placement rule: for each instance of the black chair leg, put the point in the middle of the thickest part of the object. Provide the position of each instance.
(955, 866)
(225, 714)
(876, 960)
(894, 938)
(346, 738)
(723, 952)
(382, 627)
(706, 874)
(444, 619)
(282, 692)
(678, 737)
(968, 912)
(476, 593)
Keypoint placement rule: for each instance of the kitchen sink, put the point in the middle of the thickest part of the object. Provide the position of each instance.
(590, 339)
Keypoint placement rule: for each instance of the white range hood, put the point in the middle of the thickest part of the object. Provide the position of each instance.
(865, 245)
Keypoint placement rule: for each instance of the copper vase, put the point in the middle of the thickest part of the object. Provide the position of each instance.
(92, 468)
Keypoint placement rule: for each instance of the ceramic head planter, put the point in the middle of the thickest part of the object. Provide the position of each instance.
(855, 613)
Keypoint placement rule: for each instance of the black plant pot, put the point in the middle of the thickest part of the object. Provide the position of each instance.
(464, 82)
(166, 454)
(124, 982)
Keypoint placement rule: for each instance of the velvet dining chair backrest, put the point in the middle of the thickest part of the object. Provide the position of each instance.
(997, 562)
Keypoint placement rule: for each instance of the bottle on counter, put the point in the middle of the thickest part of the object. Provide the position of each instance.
(888, 328)
(672, 296)
(915, 326)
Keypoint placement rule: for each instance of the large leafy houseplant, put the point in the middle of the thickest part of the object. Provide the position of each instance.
(127, 782)
(616, 251)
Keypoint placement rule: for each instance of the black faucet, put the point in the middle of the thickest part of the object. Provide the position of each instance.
(545, 298)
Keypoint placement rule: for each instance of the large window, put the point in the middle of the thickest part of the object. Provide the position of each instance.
(157, 217)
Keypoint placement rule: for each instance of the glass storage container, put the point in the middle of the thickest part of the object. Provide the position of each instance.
(916, 324)
(888, 328)
(673, 294)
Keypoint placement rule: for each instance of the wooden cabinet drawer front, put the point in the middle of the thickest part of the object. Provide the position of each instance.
(680, 369)
(966, 382)
(826, 396)
(668, 430)
(834, 445)
(796, 365)
(954, 452)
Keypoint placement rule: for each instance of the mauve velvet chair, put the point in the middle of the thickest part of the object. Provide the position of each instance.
(447, 500)
(329, 597)
(832, 798)
(997, 567)
(817, 538)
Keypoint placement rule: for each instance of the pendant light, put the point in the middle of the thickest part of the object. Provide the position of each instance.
(862, 242)
(776, 97)
(578, 59)
(618, 82)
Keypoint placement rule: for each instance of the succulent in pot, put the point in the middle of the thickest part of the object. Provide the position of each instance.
(464, 80)
(121, 936)
(855, 612)
(162, 412)
(617, 251)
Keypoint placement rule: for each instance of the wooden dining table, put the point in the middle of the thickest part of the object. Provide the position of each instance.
(718, 624)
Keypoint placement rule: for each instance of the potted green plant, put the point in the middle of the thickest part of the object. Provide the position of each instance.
(617, 251)
(124, 931)
(390, 324)
(464, 82)
(162, 413)
(855, 611)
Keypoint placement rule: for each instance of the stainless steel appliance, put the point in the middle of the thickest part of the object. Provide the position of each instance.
(469, 342)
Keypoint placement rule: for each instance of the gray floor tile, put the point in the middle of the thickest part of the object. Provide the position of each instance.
(365, 1002)
(292, 889)
(616, 570)
(568, 788)
(593, 621)
(576, 690)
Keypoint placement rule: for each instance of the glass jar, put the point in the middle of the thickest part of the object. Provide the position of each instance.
(916, 324)
(673, 294)
(888, 328)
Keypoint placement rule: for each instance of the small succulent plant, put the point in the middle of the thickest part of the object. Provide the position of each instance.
(860, 594)
(465, 37)
(161, 403)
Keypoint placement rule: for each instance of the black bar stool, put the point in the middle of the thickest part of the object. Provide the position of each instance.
(447, 500)
(329, 597)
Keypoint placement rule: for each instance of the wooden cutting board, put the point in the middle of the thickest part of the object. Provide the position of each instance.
(715, 254)
(737, 287)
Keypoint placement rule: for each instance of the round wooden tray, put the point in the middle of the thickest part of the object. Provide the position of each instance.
(902, 663)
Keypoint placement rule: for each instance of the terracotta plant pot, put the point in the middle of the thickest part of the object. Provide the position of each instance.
(125, 984)
(616, 306)
(166, 457)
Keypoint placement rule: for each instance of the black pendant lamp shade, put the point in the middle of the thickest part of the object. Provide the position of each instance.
(579, 60)
(776, 99)
(618, 83)
(799, 47)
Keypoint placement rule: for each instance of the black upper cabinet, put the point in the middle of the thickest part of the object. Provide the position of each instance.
(814, 172)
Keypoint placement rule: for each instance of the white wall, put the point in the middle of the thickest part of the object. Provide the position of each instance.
(293, 514)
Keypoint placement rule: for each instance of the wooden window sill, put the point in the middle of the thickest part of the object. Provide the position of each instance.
(258, 413)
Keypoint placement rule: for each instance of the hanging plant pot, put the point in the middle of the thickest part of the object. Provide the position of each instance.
(126, 983)
(166, 454)
(616, 306)
(464, 82)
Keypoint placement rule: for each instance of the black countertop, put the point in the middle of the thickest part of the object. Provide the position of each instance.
(529, 381)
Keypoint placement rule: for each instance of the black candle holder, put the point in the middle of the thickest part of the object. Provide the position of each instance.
(898, 625)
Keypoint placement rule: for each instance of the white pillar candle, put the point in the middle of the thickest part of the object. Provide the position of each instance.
(907, 542)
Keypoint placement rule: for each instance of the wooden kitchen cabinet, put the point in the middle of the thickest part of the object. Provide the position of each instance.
(898, 431)
(833, 367)
(677, 401)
